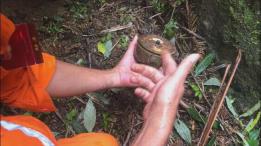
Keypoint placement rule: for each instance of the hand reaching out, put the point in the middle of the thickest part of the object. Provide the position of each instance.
(162, 102)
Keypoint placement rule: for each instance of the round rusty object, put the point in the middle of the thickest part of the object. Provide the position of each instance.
(149, 49)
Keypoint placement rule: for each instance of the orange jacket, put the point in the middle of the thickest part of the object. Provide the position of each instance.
(26, 88)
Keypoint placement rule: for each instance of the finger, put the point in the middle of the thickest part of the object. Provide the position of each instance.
(132, 45)
(142, 81)
(147, 71)
(185, 67)
(142, 93)
(168, 63)
(170, 88)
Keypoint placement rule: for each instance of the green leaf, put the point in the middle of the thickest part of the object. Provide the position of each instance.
(170, 29)
(108, 46)
(252, 142)
(254, 134)
(71, 115)
(204, 64)
(183, 130)
(212, 141)
(200, 118)
(195, 114)
(251, 110)
(229, 102)
(242, 138)
(212, 82)
(101, 47)
(252, 123)
(196, 91)
(124, 41)
(89, 116)
(106, 120)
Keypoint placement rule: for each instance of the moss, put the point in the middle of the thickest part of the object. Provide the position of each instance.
(231, 24)
(242, 28)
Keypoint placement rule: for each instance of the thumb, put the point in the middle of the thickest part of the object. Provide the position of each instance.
(132, 45)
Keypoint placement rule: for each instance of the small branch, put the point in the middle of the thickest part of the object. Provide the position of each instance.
(112, 29)
(201, 90)
(192, 33)
(184, 105)
(218, 104)
(155, 15)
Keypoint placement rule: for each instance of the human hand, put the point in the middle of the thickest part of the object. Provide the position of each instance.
(128, 78)
(162, 102)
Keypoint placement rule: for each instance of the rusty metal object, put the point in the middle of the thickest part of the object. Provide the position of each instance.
(149, 49)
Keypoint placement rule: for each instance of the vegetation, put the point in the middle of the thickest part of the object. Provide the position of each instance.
(116, 111)
(243, 29)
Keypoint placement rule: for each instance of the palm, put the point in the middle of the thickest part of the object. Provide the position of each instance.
(170, 86)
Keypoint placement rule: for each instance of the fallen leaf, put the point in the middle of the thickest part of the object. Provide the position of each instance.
(108, 47)
(89, 116)
(195, 114)
(101, 48)
(183, 130)
(212, 82)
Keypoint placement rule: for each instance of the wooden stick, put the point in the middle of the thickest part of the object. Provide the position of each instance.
(217, 105)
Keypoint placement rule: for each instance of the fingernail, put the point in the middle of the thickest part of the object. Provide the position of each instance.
(195, 57)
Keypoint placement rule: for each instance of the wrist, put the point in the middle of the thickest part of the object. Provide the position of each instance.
(112, 78)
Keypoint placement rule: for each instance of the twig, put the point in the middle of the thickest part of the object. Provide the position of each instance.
(217, 105)
(192, 33)
(130, 131)
(203, 93)
(68, 126)
(184, 105)
(79, 99)
(155, 15)
(117, 28)
(113, 29)
(115, 44)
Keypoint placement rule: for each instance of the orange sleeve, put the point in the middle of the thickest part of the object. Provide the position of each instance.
(26, 87)
(7, 29)
(16, 137)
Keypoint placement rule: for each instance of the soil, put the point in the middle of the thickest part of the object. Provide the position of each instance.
(72, 37)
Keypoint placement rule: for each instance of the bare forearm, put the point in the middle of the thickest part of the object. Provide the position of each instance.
(69, 80)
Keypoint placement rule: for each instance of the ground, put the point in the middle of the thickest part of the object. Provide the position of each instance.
(71, 30)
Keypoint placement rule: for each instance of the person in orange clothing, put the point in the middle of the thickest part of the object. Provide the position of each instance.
(32, 88)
